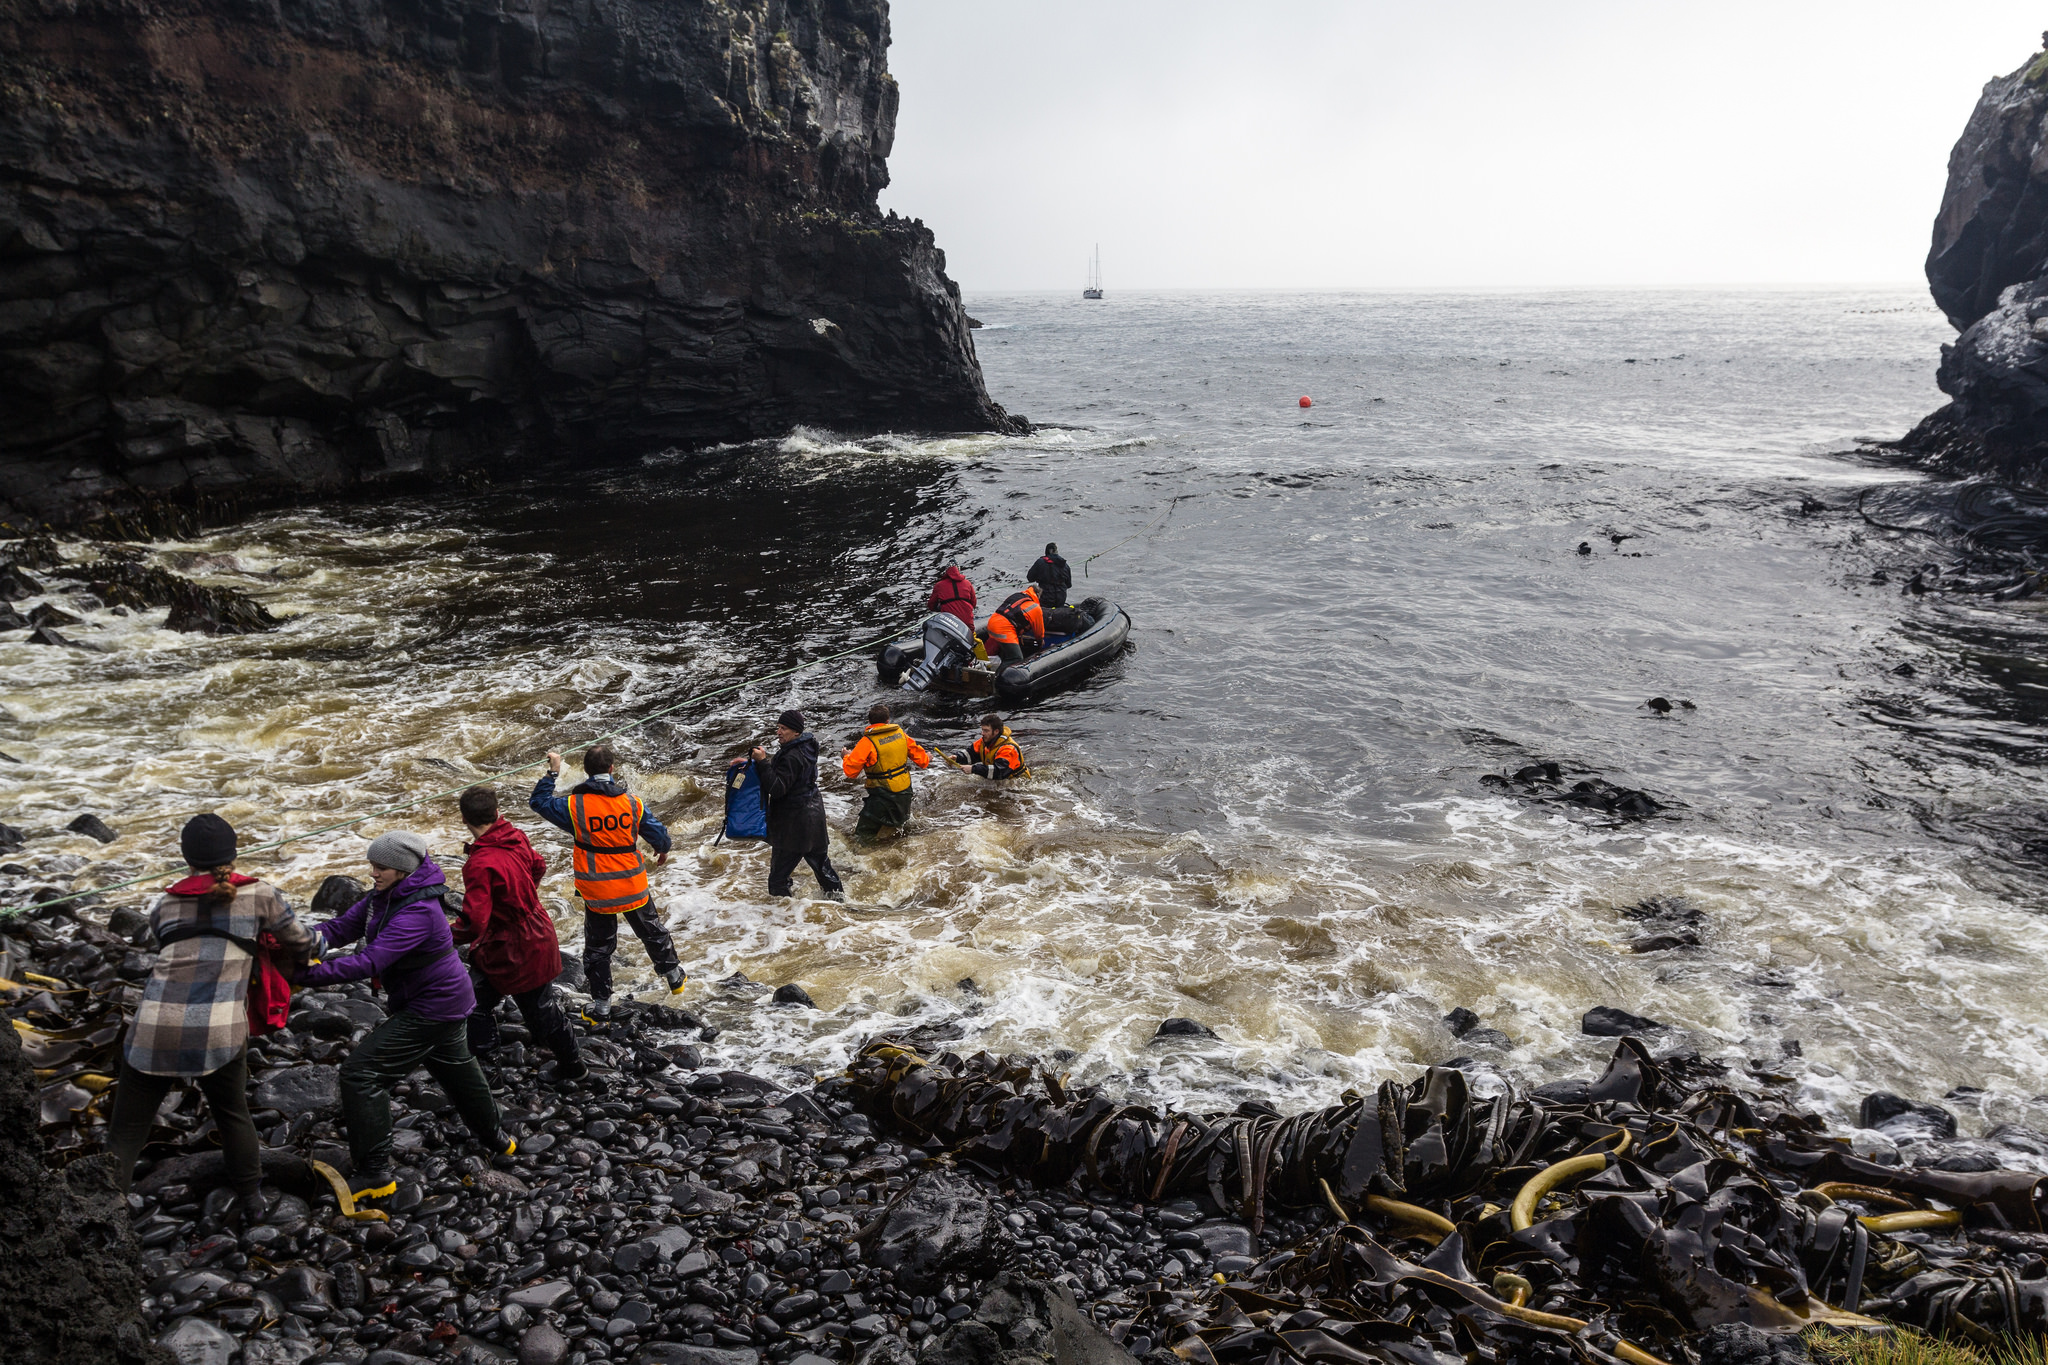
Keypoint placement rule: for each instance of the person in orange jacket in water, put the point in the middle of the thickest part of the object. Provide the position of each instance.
(994, 754)
(882, 756)
(1016, 628)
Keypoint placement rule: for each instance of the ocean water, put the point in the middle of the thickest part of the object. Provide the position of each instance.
(1270, 814)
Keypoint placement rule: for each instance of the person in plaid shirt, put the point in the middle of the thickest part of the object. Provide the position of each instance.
(193, 1022)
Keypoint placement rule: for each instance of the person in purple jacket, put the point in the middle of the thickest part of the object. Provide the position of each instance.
(408, 947)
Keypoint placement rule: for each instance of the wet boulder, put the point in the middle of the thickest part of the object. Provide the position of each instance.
(294, 1090)
(1184, 1028)
(1465, 1027)
(336, 894)
(1605, 1021)
(1738, 1343)
(944, 1225)
(93, 827)
(793, 994)
(195, 1341)
(49, 614)
(681, 1353)
(572, 977)
(1903, 1120)
(1020, 1321)
(542, 1344)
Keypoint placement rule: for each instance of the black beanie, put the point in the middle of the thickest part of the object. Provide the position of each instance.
(791, 720)
(207, 841)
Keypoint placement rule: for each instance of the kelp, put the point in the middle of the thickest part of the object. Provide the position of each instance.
(1656, 1202)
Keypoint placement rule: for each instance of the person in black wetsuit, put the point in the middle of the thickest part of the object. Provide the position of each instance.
(1053, 577)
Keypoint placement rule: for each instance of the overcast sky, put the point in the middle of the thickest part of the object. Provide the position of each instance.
(1313, 143)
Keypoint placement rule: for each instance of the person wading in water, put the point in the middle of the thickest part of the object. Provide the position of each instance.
(796, 809)
(995, 753)
(882, 757)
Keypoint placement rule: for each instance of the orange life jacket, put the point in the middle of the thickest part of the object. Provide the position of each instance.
(1004, 749)
(611, 876)
(1019, 618)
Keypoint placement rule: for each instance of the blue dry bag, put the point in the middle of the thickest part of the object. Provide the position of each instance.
(745, 816)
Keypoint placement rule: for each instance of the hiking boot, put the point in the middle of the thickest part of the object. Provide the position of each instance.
(502, 1144)
(675, 978)
(597, 1012)
(368, 1185)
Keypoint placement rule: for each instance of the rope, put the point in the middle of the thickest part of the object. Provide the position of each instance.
(454, 791)
(1157, 522)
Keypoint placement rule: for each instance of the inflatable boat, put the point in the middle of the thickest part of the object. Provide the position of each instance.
(941, 658)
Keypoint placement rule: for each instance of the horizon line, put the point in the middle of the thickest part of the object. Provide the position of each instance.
(1785, 285)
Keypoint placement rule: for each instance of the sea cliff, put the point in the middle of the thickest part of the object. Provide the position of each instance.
(259, 251)
(1988, 269)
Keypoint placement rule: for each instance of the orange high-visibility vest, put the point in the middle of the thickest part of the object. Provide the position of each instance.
(611, 876)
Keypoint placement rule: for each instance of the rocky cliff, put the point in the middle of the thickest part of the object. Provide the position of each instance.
(1988, 269)
(265, 248)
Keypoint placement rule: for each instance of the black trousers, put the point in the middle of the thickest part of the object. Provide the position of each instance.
(601, 939)
(781, 865)
(542, 1010)
(1010, 654)
(386, 1056)
(138, 1095)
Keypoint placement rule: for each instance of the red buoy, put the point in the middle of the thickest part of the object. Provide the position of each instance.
(1305, 403)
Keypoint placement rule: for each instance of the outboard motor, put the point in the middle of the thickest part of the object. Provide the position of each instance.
(947, 642)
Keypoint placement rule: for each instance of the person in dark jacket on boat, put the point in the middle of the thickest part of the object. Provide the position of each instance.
(796, 809)
(1052, 576)
(513, 950)
(408, 947)
(953, 593)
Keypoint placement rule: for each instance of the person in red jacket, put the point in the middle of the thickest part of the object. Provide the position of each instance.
(512, 946)
(953, 593)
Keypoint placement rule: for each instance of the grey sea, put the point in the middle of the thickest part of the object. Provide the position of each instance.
(1506, 522)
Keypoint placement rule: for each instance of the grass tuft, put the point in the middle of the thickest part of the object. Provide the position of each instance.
(1911, 1348)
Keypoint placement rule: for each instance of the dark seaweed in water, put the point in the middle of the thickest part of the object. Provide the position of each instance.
(194, 606)
(1685, 1205)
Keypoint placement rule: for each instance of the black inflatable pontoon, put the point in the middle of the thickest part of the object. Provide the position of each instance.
(1065, 658)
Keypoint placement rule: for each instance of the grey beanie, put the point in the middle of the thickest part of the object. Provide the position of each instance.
(400, 850)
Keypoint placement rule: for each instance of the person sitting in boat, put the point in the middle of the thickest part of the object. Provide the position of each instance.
(953, 593)
(995, 754)
(1016, 628)
(1053, 577)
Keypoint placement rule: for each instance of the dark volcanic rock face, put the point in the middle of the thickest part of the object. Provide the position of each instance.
(274, 248)
(69, 1285)
(1988, 270)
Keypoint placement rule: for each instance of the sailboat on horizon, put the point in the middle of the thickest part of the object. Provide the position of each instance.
(1094, 289)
